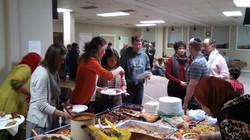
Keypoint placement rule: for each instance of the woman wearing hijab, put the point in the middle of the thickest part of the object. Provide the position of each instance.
(43, 114)
(15, 92)
(176, 71)
(218, 99)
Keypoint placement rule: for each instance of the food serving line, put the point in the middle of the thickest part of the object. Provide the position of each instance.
(143, 125)
(156, 120)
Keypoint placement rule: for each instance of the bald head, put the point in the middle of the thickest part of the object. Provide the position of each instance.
(208, 45)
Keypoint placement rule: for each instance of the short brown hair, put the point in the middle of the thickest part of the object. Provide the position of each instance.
(53, 57)
(195, 43)
(178, 44)
(136, 38)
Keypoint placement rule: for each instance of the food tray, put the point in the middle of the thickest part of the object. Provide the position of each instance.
(116, 115)
(154, 130)
(132, 106)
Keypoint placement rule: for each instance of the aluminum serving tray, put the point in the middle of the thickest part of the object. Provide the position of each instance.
(148, 126)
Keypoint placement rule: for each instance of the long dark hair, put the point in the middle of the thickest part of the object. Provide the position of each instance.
(52, 57)
(110, 53)
(91, 48)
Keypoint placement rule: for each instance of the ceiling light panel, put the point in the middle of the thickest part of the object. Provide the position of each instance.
(152, 21)
(232, 13)
(114, 14)
(143, 25)
(61, 10)
(242, 3)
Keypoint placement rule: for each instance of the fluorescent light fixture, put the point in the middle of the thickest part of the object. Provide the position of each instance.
(114, 14)
(141, 25)
(242, 3)
(61, 10)
(232, 13)
(152, 21)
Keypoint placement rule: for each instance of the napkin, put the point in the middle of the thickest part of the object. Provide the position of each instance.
(146, 74)
(13, 131)
(196, 115)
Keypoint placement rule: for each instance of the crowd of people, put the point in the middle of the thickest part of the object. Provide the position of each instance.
(201, 80)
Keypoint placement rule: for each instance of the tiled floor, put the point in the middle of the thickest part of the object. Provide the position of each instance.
(157, 87)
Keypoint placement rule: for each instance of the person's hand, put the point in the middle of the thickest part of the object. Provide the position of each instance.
(66, 116)
(99, 89)
(183, 84)
(204, 137)
(124, 88)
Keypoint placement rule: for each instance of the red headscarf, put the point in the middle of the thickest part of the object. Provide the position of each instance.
(32, 59)
(213, 92)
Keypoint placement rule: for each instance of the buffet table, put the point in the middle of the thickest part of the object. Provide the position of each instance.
(154, 125)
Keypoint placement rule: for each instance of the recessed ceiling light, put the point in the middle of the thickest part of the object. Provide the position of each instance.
(113, 14)
(61, 10)
(140, 25)
(232, 13)
(242, 3)
(153, 21)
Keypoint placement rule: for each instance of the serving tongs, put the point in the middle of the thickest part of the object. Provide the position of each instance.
(112, 112)
(167, 121)
(65, 107)
(172, 125)
(133, 116)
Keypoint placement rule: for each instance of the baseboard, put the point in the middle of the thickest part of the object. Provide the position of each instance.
(245, 70)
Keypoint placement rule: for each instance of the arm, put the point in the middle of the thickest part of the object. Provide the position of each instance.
(96, 67)
(19, 79)
(39, 91)
(189, 93)
(223, 69)
(117, 71)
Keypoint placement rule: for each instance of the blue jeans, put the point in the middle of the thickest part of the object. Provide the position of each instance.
(136, 93)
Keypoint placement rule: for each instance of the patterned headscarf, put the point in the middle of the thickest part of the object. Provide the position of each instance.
(212, 92)
(32, 59)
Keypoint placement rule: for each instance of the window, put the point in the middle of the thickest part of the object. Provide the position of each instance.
(174, 34)
(243, 37)
(221, 36)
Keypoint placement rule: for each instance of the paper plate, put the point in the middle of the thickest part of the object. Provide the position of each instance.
(57, 135)
(5, 117)
(144, 75)
(6, 120)
(78, 108)
(112, 91)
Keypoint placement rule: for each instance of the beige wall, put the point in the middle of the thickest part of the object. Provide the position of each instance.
(231, 52)
(3, 55)
(20, 22)
(160, 38)
(96, 30)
